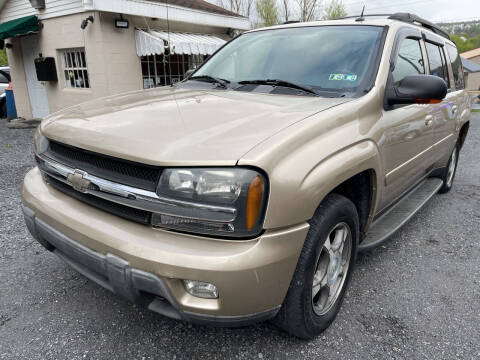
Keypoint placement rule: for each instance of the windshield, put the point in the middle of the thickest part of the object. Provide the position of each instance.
(329, 58)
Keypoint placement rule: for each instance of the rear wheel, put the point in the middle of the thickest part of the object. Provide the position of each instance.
(323, 270)
(450, 171)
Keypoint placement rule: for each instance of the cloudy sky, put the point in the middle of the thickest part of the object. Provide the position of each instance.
(433, 10)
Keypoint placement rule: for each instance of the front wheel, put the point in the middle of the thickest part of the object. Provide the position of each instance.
(323, 269)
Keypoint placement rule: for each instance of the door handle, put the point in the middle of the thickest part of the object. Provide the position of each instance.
(454, 109)
(428, 120)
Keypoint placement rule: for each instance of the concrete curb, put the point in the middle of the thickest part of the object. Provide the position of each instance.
(23, 124)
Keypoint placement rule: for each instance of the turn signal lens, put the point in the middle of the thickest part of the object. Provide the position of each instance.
(254, 201)
(428, 101)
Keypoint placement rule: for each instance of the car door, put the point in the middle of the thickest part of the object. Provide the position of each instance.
(445, 113)
(4, 81)
(407, 129)
(460, 96)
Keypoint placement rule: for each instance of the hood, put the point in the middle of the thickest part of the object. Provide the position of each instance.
(174, 126)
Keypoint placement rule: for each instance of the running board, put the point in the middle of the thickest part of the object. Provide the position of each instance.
(387, 224)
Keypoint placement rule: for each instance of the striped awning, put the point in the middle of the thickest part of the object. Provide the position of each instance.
(154, 42)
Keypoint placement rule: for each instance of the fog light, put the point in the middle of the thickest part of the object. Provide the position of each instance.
(201, 289)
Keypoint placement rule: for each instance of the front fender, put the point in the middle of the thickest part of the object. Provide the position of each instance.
(295, 193)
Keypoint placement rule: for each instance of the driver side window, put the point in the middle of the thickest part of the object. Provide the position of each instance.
(409, 60)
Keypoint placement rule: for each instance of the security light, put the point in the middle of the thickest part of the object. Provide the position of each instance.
(231, 33)
(38, 4)
(85, 22)
(121, 23)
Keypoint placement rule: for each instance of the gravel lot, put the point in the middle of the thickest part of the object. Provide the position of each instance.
(416, 297)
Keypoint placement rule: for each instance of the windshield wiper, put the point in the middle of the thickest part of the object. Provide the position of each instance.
(211, 79)
(283, 83)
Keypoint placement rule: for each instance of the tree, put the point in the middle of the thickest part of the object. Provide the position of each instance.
(334, 10)
(267, 12)
(248, 8)
(286, 10)
(308, 9)
(3, 58)
(242, 7)
(464, 42)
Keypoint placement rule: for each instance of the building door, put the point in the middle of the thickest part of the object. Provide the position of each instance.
(36, 91)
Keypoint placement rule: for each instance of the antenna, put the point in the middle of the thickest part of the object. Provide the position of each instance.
(361, 18)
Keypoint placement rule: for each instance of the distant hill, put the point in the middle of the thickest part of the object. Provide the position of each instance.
(470, 28)
(465, 34)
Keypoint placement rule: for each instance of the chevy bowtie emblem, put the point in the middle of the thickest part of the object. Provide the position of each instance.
(78, 181)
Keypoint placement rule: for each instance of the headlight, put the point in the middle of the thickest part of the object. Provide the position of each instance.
(41, 142)
(219, 201)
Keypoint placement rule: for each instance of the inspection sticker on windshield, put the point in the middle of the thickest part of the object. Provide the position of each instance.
(343, 77)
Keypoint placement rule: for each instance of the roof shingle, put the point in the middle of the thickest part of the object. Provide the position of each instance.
(470, 66)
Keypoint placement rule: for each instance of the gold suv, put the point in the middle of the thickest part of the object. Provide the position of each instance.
(244, 192)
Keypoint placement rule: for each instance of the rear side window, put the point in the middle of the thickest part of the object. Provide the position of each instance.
(409, 60)
(3, 79)
(436, 59)
(456, 67)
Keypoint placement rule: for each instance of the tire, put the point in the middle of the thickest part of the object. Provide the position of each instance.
(449, 173)
(3, 109)
(305, 313)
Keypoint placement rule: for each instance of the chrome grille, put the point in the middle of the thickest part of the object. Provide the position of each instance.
(117, 170)
(129, 202)
(123, 211)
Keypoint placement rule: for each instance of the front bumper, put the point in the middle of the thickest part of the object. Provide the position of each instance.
(147, 265)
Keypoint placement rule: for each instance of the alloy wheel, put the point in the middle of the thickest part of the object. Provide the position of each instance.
(332, 268)
(451, 168)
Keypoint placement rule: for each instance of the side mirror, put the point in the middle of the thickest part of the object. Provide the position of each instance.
(188, 73)
(417, 89)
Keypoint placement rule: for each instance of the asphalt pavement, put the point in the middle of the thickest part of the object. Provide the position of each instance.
(416, 297)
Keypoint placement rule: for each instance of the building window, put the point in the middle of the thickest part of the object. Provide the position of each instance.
(75, 68)
(162, 70)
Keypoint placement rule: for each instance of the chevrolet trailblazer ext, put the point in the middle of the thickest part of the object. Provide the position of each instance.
(244, 193)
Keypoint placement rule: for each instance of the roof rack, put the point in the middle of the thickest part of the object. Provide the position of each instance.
(412, 19)
(408, 18)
